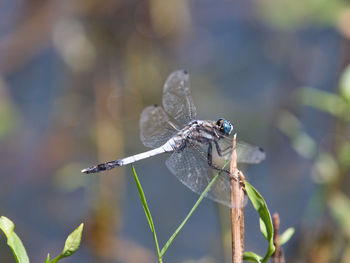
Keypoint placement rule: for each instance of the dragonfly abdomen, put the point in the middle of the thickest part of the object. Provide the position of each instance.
(167, 147)
(144, 155)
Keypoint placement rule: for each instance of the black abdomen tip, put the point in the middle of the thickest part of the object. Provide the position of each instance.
(102, 167)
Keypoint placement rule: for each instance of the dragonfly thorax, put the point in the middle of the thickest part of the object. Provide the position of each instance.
(201, 132)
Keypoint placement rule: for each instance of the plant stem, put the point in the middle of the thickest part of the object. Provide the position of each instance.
(237, 202)
(277, 256)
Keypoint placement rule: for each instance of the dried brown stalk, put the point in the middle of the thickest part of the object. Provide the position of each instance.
(278, 256)
(237, 203)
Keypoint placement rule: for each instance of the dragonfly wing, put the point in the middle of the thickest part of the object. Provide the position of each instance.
(191, 167)
(246, 153)
(177, 100)
(155, 127)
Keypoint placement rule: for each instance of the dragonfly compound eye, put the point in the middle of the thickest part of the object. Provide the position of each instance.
(227, 127)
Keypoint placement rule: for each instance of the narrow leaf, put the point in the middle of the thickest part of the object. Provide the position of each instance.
(344, 85)
(284, 238)
(266, 227)
(47, 258)
(147, 211)
(7, 226)
(252, 257)
(143, 200)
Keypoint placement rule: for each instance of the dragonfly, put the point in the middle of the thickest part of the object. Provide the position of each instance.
(198, 148)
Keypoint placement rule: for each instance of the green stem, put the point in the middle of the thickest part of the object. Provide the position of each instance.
(56, 259)
(171, 239)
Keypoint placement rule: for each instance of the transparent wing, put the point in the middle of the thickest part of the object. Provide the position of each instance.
(246, 153)
(156, 127)
(177, 100)
(191, 167)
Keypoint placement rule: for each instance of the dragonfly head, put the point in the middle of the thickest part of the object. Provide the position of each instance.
(224, 126)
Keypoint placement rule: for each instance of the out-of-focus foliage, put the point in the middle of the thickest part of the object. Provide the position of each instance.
(339, 205)
(330, 167)
(301, 141)
(8, 114)
(289, 14)
(344, 86)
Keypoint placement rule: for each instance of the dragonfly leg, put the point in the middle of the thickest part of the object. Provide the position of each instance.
(219, 150)
(210, 160)
(210, 153)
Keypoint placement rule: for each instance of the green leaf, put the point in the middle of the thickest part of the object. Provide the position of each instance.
(260, 206)
(344, 85)
(73, 242)
(263, 229)
(47, 258)
(7, 226)
(266, 227)
(251, 256)
(71, 246)
(284, 238)
(147, 211)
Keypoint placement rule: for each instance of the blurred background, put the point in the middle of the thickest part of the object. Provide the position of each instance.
(75, 76)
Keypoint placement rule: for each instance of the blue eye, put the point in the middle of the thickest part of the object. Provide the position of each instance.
(227, 127)
(224, 126)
